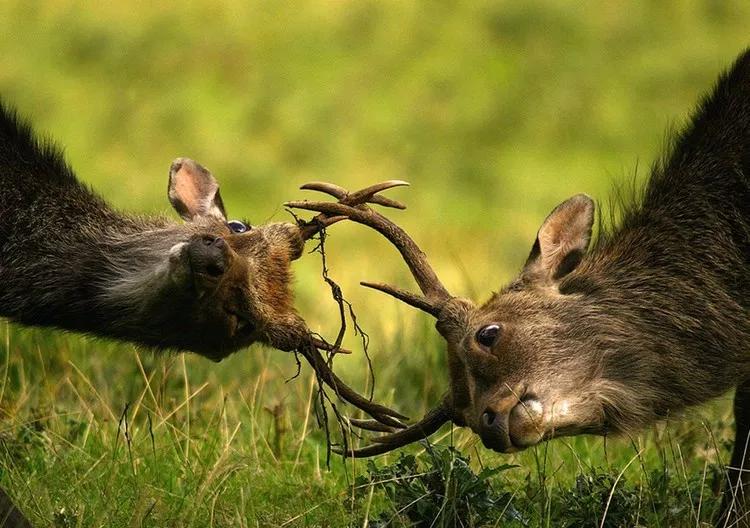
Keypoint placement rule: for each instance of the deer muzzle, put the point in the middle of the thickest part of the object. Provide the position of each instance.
(526, 423)
(510, 424)
(208, 255)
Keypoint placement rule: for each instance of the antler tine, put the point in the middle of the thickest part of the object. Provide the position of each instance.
(386, 202)
(435, 294)
(408, 297)
(322, 345)
(372, 425)
(428, 425)
(331, 189)
(369, 194)
(366, 195)
(381, 413)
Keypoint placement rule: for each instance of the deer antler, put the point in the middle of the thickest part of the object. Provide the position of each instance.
(434, 294)
(363, 196)
(382, 414)
(432, 421)
(433, 299)
(388, 419)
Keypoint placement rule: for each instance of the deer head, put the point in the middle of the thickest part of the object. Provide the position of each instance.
(233, 275)
(520, 369)
(229, 281)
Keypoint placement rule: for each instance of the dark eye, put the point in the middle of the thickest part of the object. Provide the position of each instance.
(487, 335)
(235, 226)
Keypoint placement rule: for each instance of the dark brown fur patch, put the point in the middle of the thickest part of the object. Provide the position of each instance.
(68, 260)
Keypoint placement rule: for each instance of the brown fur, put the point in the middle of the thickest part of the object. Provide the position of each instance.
(653, 318)
(70, 261)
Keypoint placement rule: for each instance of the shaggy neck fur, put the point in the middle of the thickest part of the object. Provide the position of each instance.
(668, 291)
(66, 258)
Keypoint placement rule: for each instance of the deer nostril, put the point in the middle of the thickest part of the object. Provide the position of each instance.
(215, 269)
(209, 255)
(488, 418)
(213, 241)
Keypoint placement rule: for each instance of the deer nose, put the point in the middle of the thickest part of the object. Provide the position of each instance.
(526, 422)
(208, 255)
(493, 429)
(489, 418)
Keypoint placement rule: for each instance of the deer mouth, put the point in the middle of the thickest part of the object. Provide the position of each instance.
(525, 423)
(243, 328)
(499, 441)
(513, 429)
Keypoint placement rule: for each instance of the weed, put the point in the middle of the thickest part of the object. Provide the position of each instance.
(441, 490)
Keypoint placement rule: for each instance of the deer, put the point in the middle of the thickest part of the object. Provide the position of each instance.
(606, 335)
(208, 284)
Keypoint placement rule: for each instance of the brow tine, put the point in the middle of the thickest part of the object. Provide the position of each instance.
(311, 228)
(412, 299)
(431, 422)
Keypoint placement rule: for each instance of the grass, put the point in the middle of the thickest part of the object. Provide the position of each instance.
(166, 441)
(495, 112)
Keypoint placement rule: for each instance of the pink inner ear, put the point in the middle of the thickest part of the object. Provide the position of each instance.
(187, 191)
(193, 191)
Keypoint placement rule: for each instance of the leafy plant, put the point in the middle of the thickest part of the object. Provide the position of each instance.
(596, 495)
(440, 490)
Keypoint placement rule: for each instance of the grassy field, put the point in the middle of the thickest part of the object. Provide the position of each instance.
(494, 111)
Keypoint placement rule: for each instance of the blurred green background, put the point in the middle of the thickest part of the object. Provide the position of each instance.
(494, 111)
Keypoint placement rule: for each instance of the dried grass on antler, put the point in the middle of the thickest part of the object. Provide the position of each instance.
(433, 298)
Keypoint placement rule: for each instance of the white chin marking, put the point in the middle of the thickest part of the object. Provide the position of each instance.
(561, 408)
(175, 252)
(534, 407)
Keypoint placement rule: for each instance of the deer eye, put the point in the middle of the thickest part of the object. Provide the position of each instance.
(235, 226)
(487, 335)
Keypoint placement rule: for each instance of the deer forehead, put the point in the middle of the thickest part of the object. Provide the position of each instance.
(523, 307)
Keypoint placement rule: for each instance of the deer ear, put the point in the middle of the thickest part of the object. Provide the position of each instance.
(193, 191)
(562, 240)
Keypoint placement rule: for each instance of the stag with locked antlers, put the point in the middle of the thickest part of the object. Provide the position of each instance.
(608, 337)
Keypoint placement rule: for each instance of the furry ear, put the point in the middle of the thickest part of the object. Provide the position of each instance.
(193, 191)
(562, 240)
